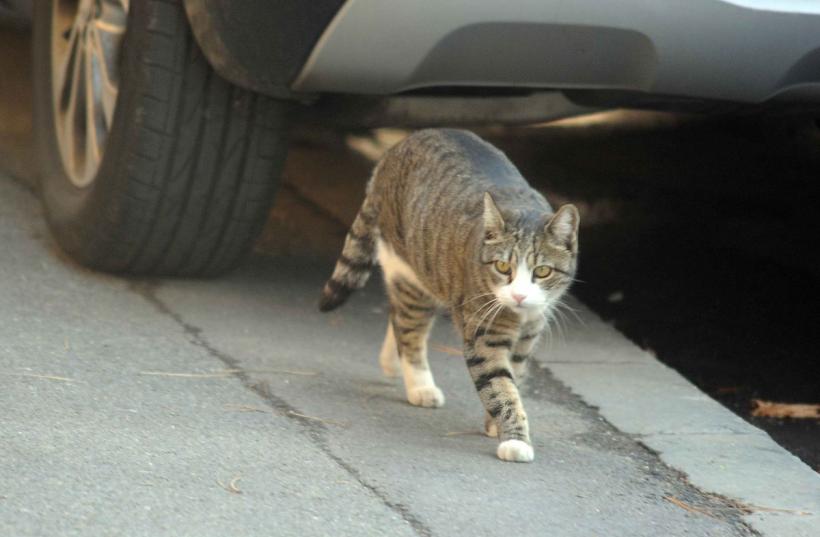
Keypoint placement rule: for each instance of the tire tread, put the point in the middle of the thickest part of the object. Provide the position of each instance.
(201, 186)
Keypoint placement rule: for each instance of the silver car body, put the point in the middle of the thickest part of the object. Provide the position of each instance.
(744, 51)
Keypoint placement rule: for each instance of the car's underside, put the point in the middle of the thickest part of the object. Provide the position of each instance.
(372, 62)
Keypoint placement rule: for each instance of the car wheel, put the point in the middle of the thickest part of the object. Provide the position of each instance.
(150, 162)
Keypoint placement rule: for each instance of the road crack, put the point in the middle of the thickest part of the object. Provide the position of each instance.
(315, 431)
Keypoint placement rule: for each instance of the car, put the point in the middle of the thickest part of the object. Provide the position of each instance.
(162, 125)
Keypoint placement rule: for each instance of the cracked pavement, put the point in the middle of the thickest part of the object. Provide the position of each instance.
(188, 407)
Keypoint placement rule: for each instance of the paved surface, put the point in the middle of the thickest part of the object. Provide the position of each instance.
(291, 407)
(742, 332)
(319, 442)
(280, 422)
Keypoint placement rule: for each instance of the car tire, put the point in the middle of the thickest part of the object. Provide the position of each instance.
(189, 163)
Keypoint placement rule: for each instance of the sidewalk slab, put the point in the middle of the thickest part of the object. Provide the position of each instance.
(91, 445)
(177, 388)
(587, 479)
(718, 451)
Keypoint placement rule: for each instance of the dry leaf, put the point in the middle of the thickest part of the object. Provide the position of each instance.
(770, 409)
(687, 507)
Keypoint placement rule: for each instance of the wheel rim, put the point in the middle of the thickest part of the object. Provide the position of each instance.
(86, 39)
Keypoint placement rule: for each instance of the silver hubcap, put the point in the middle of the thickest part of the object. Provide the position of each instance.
(85, 49)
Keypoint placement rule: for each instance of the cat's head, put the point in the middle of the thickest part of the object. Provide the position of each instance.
(529, 260)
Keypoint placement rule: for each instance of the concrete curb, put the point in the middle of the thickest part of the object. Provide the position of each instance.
(718, 451)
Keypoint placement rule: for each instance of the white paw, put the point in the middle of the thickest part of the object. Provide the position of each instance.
(515, 450)
(491, 428)
(426, 396)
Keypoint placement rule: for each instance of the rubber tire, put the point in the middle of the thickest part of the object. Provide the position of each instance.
(190, 165)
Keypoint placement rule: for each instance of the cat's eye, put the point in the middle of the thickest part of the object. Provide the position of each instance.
(503, 267)
(542, 271)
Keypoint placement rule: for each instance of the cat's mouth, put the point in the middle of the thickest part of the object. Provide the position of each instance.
(523, 306)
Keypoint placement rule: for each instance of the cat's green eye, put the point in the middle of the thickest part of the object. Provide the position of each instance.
(503, 267)
(542, 271)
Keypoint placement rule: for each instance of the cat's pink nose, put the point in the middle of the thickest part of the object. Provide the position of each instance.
(518, 298)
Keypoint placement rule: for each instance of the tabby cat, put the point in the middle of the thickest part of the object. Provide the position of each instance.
(454, 224)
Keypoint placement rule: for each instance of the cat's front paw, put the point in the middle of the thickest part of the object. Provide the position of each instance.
(426, 396)
(515, 451)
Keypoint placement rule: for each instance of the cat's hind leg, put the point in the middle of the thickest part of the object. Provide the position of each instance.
(389, 355)
(411, 316)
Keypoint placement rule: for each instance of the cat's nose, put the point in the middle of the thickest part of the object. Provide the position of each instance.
(518, 298)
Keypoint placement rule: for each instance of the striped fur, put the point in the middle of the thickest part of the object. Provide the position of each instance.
(356, 260)
(453, 224)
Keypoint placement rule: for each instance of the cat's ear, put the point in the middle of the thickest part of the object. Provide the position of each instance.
(493, 221)
(563, 227)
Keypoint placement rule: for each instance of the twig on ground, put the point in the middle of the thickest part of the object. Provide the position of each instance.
(463, 433)
(751, 508)
(744, 508)
(214, 374)
(322, 420)
(687, 507)
(231, 486)
(228, 372)
(297, 372)
(246, 408)
(38, 376)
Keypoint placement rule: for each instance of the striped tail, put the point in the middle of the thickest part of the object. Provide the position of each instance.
(354, 265)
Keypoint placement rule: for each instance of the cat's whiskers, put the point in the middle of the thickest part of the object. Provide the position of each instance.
(566, 307)
(476, 297)
(495, 306)
(492, 313)
(554, 318)
(547, 316)
(497, 311)
(489, 305)
(562, 321)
